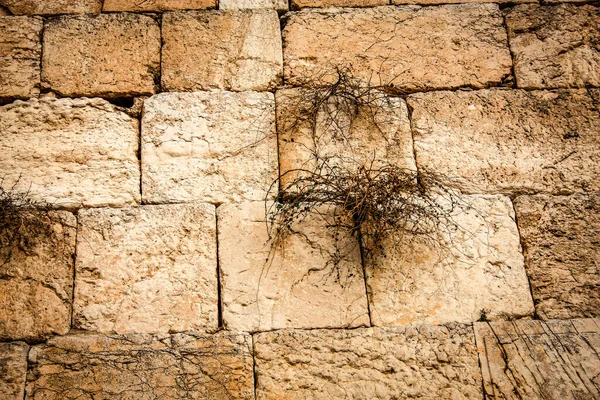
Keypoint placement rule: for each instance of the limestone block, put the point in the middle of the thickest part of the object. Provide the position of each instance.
(562, 253)
(208, 146)
(36, 283)
(555, 46)
(231, 50)
(13, 370)
(20, 53)
(84, 152)
(157, 5)
(435, 2)
(279, 5)
(411, 48)
(180, 366)
(508, 141)
(46, 7)
(110, 55)
(428, 362)
(296, 284)
(526, 359)
(298, 4)
(147, 269)
(474, 263)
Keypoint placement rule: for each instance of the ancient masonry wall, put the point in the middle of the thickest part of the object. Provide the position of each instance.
(138, 121)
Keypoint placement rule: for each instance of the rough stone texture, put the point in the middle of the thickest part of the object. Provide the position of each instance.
(208, 146)
(157, 5)
(540, 360)
(20, 53)
(110, 55)
(13, 369)
(232, 50)
(33, 7)
(147, 269)
(298, 4)
(279, 5)
(474, 265)
(434, 2)
(562, 253)
(4, 12)
(509, 141)
(428, 362)
(84, 152)
(36, 283)
(292, 285)
(412, 48)
(165, 366)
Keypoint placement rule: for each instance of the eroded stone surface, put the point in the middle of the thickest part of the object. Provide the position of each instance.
(472, 266)
(165, 366)
(20, 53)
(13, 370)
(232, 50)
(208, 146)
(36, 282)
(279, 5)
(434, 2)
(110, 55)
(412, 48)
(294, 285)
(555, 46)
(556, 359)
(298, 4)
(147, 269)
(428, 362)
(508, 141)
(562, 253)
(157, 5)
(70, 153)
(31, 7)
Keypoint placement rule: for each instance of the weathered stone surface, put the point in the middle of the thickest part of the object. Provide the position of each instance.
(293, 285)
(71, 153)
(540, 360)
(555, 46)
(158, 5)
(4, 12)
(279, 5)
(110, 55)
(562, 253)
(147, 269)
(208, 146)
(232, 50)
(472, 266)
(142, 367)
(298, 4)
(412, 48)
(33, 7)
(20, 53)
(13, 370)
(36, 283)
(427, 362)
(509, 141)
(434, 2)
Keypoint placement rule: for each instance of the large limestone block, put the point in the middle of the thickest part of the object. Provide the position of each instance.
(70, 153)
(295, 284)
(472, 266)
(555, 46)
(36, 282)
(298, 4)
(157, 5)
(428, 362)
(110, 55)
(553, 360)
(562, 253)
(20, 54)
(13, 370)
(231, 50)
(147, 269)
(411, 48)
(209, 146)
(34, 7)
(279, 5)
(180, 366)
(508, 141)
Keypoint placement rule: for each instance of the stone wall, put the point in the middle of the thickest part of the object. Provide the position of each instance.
(155, 128)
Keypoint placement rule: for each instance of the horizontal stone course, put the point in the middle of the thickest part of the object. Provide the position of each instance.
(279, 5)
(13, 370)
(298, 4)
(157, 5)
(49, 7)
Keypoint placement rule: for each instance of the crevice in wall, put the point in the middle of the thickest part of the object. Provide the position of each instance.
(364, 268)
(254, 377)
(158, 74)
(219, 292)
(40, 84)
(74, 268)
(5, 11)
(510, 80)
(139, 156)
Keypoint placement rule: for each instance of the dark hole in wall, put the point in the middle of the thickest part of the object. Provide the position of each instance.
(126, 102)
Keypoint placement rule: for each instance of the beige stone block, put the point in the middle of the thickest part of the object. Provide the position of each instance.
(147, 269)
(562, 253)
(473, 263)
(13, 370)
(555, 46)
(231, 50)
(47, 7)
(36, 283)
(279, 5)
(110, 55)
(426, 362)
(157, 5)
(295, 284)
(508, 141)
(71, 153)
(208, 146)
(140, 366)
(20, 54)
(437, 2)
(298, 4)
(411, 48)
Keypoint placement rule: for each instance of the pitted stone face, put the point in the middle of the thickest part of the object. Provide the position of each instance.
(49, 7)
(13, 370)
(157, 5)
